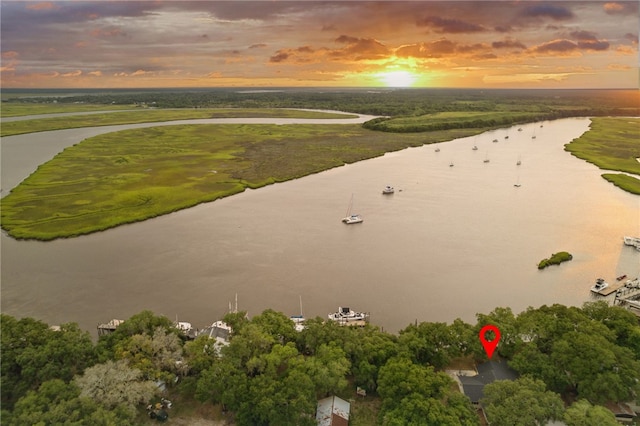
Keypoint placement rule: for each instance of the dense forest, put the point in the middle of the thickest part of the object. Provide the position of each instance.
(571, 361)
(514, 105)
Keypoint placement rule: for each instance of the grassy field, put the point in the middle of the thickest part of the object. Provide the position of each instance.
(452, 119)
(155, 115)
(612, 144)
(129, 176)
(14, 109)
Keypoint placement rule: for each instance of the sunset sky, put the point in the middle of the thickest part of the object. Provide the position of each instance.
(491, 44)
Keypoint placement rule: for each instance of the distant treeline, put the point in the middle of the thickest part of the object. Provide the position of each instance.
(539, 104)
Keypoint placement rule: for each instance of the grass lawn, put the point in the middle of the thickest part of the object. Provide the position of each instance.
(612, 144)
(153, 115)
(129, 176)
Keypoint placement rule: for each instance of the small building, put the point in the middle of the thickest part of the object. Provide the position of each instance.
(220, 332)
(333, 411)
(488, 372)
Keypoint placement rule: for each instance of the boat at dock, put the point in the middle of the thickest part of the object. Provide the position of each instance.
(631, 241)
(346, 316)
(298, 320)
(388, 190)
(621, 277)
(600, 285)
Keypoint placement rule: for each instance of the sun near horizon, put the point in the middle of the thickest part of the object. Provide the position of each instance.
(430, 44)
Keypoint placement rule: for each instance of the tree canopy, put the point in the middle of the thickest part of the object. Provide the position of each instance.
(270, 374)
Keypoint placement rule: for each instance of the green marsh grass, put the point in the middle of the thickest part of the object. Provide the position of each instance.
(612, 144)
(14, 109)
(132, 175)
(153, 115)
(555, 259)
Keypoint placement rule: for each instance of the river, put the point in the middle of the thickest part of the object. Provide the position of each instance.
(451, 242)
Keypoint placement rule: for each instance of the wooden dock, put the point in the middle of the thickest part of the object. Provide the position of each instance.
(611, 288)
(109, 327)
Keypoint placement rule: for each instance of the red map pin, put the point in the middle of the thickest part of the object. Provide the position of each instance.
(489, 346)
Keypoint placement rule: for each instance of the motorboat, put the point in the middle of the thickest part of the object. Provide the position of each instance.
(388, 190)
(632, 241)
(346, 315)
(600, 285)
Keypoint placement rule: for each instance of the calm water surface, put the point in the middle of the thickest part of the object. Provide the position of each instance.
(451, 242)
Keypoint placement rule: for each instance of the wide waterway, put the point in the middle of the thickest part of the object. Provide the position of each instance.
(451, 242)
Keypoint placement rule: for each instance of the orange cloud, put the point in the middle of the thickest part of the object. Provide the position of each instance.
(140, 72)
(11, 54)
(76, 73)
(45, 5)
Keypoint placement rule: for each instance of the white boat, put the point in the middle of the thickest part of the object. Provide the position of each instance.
(475, 148)
(346, 316)
(437, 149)
(388, 190)
(632, 241)
(351, 218)
(298, 320)
(600, 284)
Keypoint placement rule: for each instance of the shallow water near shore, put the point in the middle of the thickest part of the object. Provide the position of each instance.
(451, 242)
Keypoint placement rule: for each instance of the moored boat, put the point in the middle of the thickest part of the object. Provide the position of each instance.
(600, 285)
(351, 218)
(388, 190)
(346, 316)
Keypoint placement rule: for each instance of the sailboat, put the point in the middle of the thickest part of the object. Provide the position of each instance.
(351, 218)
(519, 161)
(298, 320)
(517, 184)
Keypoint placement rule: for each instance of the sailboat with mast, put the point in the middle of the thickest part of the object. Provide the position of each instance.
(351, 218)
(298, 320)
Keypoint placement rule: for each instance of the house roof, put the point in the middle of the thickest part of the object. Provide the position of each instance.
(330, 408)
(488, 372)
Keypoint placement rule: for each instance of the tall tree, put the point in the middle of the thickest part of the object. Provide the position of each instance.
(158, 356)
(596, 368)
(115, 384)
(60, 403)
(32, 353)
(582, 413)
(524, 401)
(416, 394)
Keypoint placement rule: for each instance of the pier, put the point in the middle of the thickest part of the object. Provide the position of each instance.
(109, 327)
(611, 288)
(628, 296)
